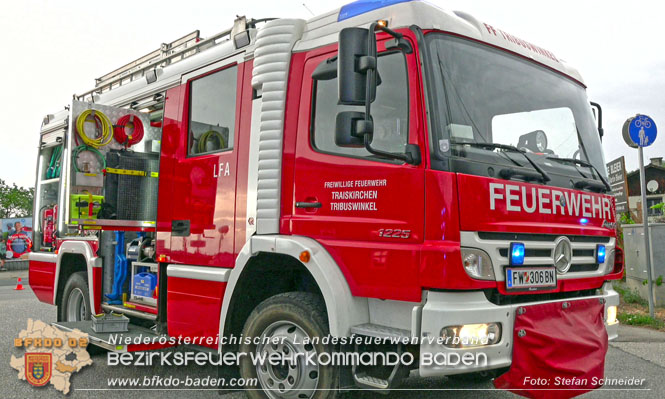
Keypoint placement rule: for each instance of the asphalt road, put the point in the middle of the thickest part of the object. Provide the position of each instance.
(638, 353)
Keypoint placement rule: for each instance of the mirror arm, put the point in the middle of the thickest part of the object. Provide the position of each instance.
(370, 64)
(600, 119)
(388, 31)
(404, 157)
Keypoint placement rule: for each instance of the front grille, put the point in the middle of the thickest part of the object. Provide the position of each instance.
(539, 253)
(584, 252)
(539, 249)
(589, 267)
(540, 237)
(494, 296)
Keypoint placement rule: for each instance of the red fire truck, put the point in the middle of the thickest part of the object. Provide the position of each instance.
(385, 170)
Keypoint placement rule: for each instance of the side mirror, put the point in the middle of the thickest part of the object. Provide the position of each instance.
(355, 58)
(357, 77)
(350, 129)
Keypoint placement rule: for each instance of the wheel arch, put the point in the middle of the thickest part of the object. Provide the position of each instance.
(74, 256)
(321, 273)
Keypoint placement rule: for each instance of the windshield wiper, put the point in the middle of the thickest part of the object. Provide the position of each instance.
(585, 164)
(506, 147)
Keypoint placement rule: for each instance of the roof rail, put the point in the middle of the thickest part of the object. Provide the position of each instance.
(164, 50)
(168, 53)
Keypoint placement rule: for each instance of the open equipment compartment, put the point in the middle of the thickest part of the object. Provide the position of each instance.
(50, 163)
(97, 181)
(114, 166)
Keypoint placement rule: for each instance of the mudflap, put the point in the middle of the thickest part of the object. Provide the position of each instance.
(558, 349)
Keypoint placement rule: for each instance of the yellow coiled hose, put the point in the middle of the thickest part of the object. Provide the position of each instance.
(208, 136)
(101, 120)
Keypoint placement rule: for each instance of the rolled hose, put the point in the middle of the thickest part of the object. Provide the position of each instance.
(82, 148)
(102, 121)
(53, 169)
(205, 137)
(121, 135)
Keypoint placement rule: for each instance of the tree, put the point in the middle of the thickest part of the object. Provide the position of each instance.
(15, 201)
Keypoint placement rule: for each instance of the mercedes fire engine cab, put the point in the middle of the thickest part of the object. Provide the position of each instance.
(385, 170)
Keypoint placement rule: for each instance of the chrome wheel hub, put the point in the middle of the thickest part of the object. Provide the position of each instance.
(289, 368)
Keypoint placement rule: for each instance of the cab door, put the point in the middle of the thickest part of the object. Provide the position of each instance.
(367, 211)
(203, 199)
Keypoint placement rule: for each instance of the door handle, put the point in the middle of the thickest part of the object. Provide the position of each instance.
(308, 205)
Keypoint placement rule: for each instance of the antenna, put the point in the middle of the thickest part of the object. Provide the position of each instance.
(307, 8)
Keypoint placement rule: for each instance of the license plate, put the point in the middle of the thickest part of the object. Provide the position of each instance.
(530, 278)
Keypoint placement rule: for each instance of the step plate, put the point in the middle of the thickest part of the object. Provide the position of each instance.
(372, 382)
(104, 340)
(375, 330)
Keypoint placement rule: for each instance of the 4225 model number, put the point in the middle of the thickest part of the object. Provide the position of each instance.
(394, 233)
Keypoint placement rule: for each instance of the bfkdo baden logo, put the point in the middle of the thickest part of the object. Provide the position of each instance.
(38, 368)
(51, 355)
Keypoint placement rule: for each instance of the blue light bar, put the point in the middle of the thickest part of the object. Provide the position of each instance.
(584, 221)
(600, 253)
(516, 253)
(362, 6)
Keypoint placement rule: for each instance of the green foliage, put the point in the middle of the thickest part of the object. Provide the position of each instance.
(658, 206)
(626, 219)
(15, 201)
(639, 320)
(658, 281)
(629, 296)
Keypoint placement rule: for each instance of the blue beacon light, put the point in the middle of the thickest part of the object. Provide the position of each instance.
(516, 253)
(600, 253)
(363, 6)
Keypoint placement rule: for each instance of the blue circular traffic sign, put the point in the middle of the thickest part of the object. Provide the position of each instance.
(642, 130)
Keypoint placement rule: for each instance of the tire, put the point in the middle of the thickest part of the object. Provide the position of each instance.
(75, 303)
(285, 316)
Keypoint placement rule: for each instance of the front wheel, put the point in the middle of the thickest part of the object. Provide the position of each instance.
(288, 326)
(75, 304)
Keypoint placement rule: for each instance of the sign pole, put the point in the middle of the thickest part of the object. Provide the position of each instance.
(639, 132)
(645, 223)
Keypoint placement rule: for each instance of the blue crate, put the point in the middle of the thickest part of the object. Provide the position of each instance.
(144, 284)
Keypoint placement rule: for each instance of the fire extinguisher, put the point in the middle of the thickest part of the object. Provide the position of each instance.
(49, 216)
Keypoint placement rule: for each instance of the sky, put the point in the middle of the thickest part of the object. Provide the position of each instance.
(53, 50)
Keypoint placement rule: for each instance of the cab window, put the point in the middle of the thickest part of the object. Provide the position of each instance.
(390, 110)
(212, 112)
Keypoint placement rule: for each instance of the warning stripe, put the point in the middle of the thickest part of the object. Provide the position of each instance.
(131, 172)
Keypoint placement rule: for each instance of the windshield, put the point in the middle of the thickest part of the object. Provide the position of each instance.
(481, 94)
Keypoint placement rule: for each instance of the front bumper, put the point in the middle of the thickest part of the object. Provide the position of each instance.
(444, 309)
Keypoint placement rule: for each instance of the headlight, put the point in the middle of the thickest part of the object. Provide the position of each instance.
(609, 261)
(477, 264)
(471, 335)
(611, 315)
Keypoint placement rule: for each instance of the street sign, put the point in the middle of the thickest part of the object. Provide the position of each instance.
(642, 130)
(639, 132)
(616, 173)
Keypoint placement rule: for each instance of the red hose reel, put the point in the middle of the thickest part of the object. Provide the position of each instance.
(120, 133)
